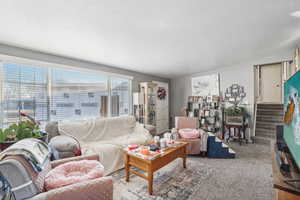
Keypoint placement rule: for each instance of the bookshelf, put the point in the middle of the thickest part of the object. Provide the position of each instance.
(209, 111)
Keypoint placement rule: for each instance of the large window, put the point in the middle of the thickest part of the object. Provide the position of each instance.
(24, 89)
(78, 95)
(120, 102)
(51, 94)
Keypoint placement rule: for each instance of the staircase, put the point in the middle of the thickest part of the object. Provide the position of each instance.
(267, 117)
(217, 149)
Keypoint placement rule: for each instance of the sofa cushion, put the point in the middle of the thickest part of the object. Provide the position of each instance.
(64, 143)
(97, 129)
(189, 133)
(111, 156)
(73, 172)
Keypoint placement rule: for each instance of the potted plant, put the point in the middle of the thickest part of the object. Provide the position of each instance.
(21, 130)
(235, 115)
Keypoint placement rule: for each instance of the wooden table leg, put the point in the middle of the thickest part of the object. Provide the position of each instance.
(150, 182)
(240, 136)
(127, 167)
(184, 158)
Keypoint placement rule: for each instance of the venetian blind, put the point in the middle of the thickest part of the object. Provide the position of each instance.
(24, 90)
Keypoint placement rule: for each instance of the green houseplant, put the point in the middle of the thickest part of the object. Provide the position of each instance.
(21, 130)
(235, 111)
(235, 115)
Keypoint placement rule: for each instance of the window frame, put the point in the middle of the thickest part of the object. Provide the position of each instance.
(49, 66)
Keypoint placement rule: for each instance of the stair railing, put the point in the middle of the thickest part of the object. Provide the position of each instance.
(254, 121)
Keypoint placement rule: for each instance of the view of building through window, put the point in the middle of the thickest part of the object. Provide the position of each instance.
(56, 94)
(24, 89)
(76, 95)
(120, 98)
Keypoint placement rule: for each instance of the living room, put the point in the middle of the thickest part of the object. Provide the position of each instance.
(149, 100)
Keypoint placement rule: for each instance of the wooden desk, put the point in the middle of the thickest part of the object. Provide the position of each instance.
(283, 191)
(150, 166)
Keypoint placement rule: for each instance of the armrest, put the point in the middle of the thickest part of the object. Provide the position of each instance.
(77, 158)
(97, 189)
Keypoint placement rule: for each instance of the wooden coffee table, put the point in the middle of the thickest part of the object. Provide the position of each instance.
(150, 166)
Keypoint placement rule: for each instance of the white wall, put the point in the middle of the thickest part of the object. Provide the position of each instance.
(242, 74)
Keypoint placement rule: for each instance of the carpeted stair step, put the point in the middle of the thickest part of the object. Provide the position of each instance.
(267, 130)
(268, 116)
(269, 112)
(263, 133)
(262, 140)
(231, 153)
(269, 120)
(270, 106)
(217, 149)
(265, 125)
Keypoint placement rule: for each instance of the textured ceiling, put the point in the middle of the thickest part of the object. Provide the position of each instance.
(166, 38)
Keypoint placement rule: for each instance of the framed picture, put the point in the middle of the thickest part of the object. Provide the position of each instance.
(211, 120)
(203, 121)
(206, 113)
(212, 113)
(209, 99)
(206, 85)
(201, 113)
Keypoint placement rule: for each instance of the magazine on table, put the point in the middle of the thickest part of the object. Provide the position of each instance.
(145, 152)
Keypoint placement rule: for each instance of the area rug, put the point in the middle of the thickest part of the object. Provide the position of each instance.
(170, 182)
(247, 177)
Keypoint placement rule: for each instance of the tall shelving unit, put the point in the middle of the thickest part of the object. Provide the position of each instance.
(155, 108)
(208, 110)
(147, 91)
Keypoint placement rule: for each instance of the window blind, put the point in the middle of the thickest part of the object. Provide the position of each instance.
(24, 90)
(120, 94)
(77, 95)
(51, 94)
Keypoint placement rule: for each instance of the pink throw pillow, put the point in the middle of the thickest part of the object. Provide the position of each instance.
(189, 133)
(73, 172)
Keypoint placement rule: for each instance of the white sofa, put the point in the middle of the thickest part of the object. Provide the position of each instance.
(106, 137)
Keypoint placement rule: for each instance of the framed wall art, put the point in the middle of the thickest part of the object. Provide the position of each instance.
(206, 85)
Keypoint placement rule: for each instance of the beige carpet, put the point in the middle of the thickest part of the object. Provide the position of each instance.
(246, 177)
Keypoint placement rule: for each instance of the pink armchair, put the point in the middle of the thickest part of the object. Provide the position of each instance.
(195, 145)
(97, 189)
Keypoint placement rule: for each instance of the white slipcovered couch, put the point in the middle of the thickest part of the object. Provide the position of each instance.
(104, 136)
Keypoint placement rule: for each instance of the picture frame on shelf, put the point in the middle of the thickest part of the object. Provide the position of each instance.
(206, 113)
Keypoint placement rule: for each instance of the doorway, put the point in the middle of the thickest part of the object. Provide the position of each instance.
(269, 82)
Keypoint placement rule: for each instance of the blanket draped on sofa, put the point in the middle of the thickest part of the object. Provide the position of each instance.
(106, 137)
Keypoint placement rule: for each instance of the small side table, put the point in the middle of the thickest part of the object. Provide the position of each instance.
(240, 128)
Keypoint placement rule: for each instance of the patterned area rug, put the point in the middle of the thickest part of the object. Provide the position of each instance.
(170, 182)
(246, 177)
